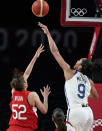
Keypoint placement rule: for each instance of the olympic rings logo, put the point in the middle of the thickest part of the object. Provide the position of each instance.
(78, 11)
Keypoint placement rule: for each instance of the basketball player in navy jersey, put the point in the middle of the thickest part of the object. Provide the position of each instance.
(78, 86)
(24, 103)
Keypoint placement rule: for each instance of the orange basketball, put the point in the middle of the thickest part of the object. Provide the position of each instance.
(40, 8)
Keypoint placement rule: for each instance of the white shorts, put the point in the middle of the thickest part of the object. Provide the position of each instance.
(82, 118)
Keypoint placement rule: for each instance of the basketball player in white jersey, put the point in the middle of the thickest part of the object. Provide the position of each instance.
(78, 87)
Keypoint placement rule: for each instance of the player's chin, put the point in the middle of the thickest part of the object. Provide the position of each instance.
(26, 87)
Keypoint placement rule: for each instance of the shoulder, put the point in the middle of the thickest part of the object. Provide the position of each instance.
(33, 93)
(68, 75)
(32, 98)
(91, 82)
(12, 91)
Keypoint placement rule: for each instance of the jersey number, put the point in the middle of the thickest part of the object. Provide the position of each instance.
(18, 114)
(81, 91)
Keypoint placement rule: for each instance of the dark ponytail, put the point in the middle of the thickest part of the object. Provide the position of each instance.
(89, 67)
(59, 119)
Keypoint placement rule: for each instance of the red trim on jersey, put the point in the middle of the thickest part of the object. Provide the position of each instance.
(69, 123)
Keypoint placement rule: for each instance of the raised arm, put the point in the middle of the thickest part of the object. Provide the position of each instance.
(34, 99)
(54, 50)
(31, 64)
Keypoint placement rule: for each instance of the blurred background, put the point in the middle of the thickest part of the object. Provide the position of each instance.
(20, 37)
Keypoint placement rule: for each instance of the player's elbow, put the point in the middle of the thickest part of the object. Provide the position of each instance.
(44, 111)
(54, 51)
(96, 96)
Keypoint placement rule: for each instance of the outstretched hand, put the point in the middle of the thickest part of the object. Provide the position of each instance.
(39, 51)
(44, 28)
(46, 91)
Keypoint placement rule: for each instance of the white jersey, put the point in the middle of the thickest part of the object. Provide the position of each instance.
(77, 90)
(70, 127)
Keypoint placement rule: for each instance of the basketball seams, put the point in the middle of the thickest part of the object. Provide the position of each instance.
(41, 9)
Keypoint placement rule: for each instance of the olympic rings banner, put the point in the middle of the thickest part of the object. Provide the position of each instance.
(77, 14)
(96, 106)
(78, 11)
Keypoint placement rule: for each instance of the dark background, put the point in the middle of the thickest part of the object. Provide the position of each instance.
(19, 39)
(90, 6)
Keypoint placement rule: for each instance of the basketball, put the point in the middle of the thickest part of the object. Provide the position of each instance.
(40, 8)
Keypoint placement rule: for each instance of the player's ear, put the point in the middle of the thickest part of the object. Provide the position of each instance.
(80, 67)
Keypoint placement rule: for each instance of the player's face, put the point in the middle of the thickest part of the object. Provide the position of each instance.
(78, 66)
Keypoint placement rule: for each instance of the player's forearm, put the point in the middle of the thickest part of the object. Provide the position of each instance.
(45, 104)
(52, 44)
(30, 67)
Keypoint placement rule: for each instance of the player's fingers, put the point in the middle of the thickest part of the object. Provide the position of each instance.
(41, 25)
(44, 88)
(43, 29)
(39, 47)
(42, 47)
(42, 51)
(47, 86)
(49, 92)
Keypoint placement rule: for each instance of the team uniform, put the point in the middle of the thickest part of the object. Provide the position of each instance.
(69, 126)
(77, 90)
(24, 116)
